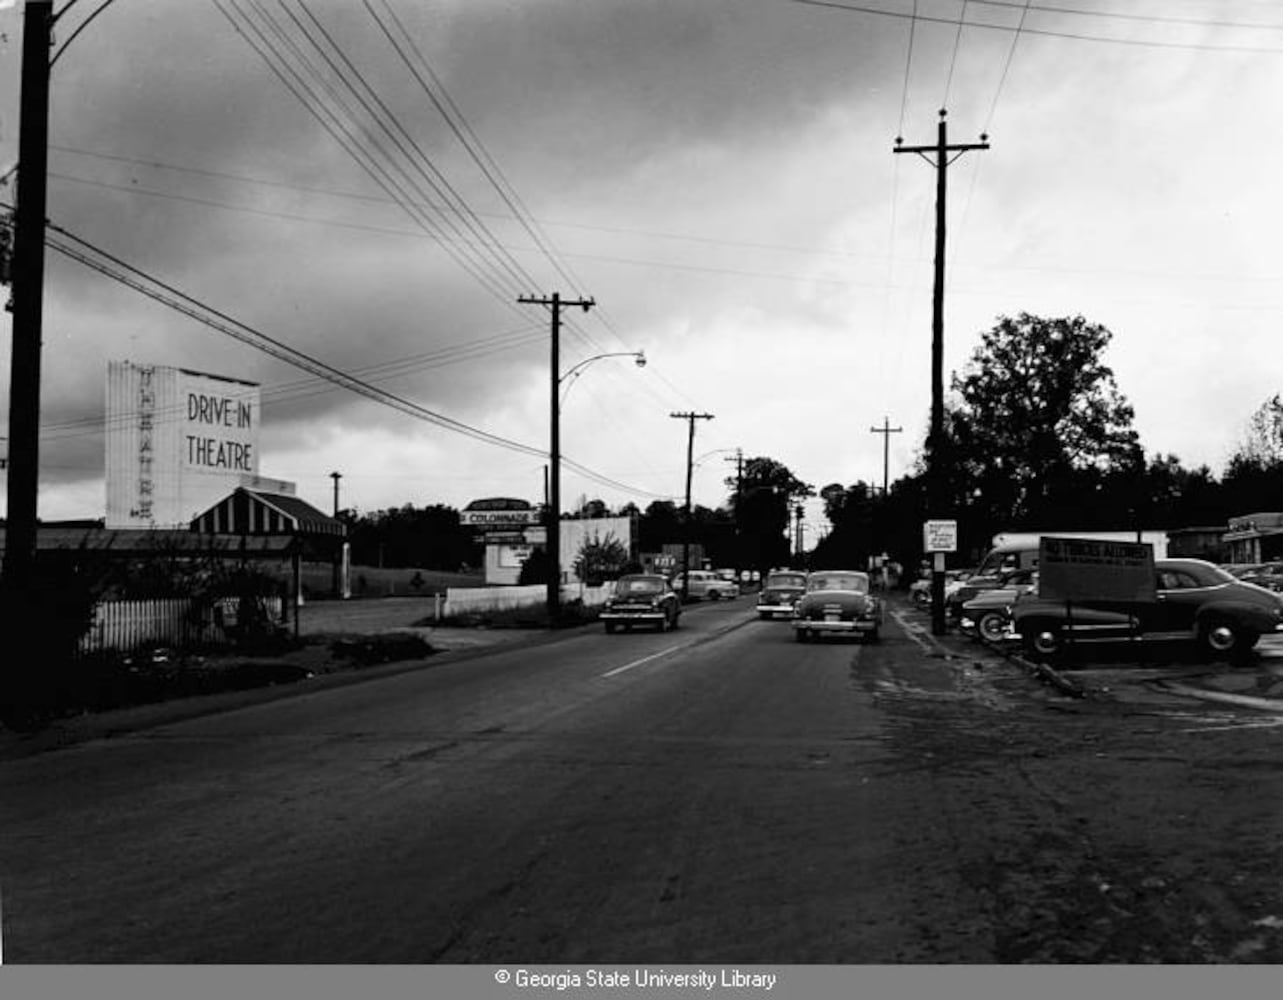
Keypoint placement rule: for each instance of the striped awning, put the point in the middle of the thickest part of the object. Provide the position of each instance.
(252, 512)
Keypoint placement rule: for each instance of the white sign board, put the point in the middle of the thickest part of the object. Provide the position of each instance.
(940, 536)
(498, 518)
(177, 442)
(1082, 569)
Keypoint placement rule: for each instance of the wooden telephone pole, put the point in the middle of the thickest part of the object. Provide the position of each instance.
(886, 430)
(553, 598)
(940, 156)
(690, 418)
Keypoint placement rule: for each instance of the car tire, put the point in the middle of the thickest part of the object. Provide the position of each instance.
(992, 626)
(1220, 637)
(714, 595)
(801, 635)
(1043, 642)
(610, 628)
(874, 636)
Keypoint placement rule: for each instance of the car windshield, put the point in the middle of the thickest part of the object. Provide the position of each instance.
(640, 585)
(786, 580)
(838, 581)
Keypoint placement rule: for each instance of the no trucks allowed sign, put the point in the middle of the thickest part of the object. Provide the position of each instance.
(1085, 569)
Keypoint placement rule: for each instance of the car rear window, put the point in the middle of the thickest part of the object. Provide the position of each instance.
(786, 580)
(838, 581)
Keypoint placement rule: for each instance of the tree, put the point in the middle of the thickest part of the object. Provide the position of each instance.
(762, 502)
(600, 559)
(1262, 444)
(1036, 415)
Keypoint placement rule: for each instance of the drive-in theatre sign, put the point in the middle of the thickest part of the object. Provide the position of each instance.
(1085, 569)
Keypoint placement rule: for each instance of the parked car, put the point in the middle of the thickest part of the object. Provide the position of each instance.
(705, 583)
(973, 586)
(988, 614)
(1268, 575)
(837, 601)
(920, 590)
(779, 593)
(1195, 600)
(642, 599)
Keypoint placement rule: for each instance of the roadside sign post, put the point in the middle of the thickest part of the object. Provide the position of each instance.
(939, 537)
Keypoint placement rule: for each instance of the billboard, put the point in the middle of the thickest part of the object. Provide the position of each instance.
(1078, 569)
(178, 441)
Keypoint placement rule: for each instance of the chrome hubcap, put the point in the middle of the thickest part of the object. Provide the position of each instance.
(1220, 638)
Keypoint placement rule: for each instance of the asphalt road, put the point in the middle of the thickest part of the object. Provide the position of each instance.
(715, 794)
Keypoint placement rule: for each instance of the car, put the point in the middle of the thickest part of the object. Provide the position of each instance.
(1268, 575)
(641, 599)
(707, 584)
(920, 590)
(837, 601)
(780, 592)
(988, 614)
(967, 590)
(1194, 600)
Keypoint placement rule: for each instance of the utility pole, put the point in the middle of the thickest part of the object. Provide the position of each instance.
(739, 496)
(940, 159)
(28, 303)
(886, 430)
(797, 513)
(690, 418)
(336, 476)
(336, 575)
(555, 303)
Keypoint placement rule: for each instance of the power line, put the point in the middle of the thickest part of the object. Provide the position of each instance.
(1045, 32)
(953, 59)
(117, 269)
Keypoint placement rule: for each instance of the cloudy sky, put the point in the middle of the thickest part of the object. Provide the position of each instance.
(717, 174)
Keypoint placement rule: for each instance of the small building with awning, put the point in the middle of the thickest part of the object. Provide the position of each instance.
(252, 513)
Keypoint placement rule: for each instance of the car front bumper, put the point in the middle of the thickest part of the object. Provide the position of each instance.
(657, 615)
(775, 610)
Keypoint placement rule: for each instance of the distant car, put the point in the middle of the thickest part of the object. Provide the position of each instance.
(1195, 600)
(920, 590)
(837, 601)
(705, 584)
(642, 599)
(988, 614)
(1268, 575)
(779, 593)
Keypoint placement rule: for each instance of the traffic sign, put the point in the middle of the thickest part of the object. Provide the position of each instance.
(940, 536)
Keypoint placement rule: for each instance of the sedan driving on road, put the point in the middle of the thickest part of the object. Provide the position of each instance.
(837, 601)
(642, 599)
(779, 593)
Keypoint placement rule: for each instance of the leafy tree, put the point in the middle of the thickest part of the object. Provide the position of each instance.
(600, 559)
(1036, 414)
(429, 537)
(762, 503)
(1262, 444)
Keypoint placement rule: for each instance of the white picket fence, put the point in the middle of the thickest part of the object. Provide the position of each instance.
(460, 601)
(130, 625)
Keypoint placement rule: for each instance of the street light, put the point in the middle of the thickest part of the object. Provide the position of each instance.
(575, 371)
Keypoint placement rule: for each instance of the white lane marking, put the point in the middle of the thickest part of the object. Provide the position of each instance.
(645, 659)
(914, 632)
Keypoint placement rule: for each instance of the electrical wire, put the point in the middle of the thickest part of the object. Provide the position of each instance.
(117, 269)
(1045, 32)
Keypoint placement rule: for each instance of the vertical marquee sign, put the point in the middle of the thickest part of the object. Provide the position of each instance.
(178, 441)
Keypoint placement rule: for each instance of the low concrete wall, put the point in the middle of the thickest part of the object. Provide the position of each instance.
(475, 600)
